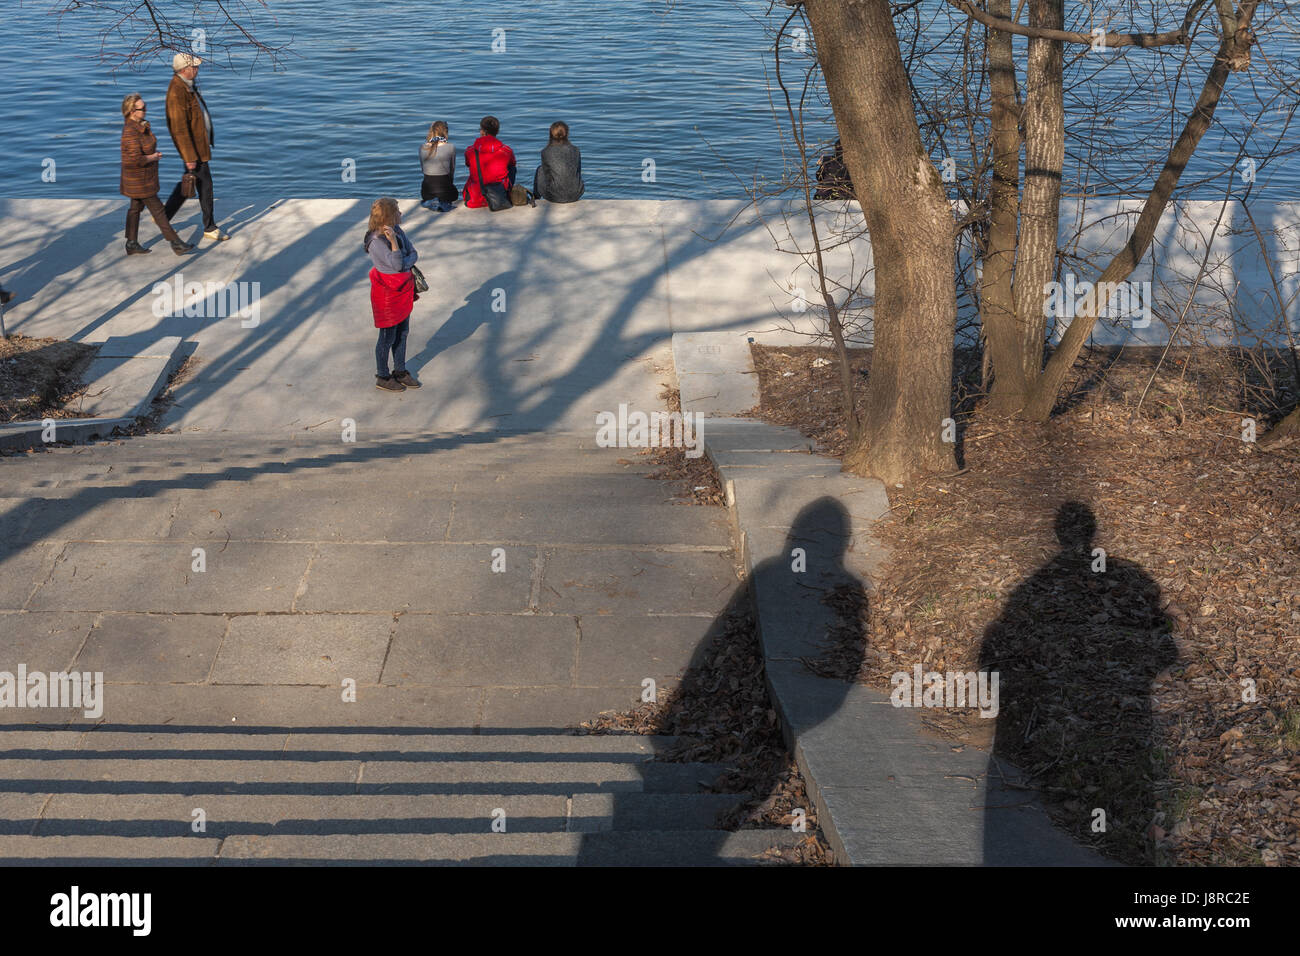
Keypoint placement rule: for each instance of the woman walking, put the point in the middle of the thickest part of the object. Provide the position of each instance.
(438, 161)
(139, 182)
(392, 292)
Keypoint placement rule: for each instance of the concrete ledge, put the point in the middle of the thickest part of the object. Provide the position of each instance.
(121, 383)
(886, 793)
(715, 373)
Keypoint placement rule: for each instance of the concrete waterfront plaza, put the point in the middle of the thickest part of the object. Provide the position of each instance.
(535, 319)
(472, 568)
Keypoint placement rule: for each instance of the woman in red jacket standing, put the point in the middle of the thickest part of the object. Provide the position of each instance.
(392, 292)
(487, 159)
(139, 181)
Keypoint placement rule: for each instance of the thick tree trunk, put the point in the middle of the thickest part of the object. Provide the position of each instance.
(1040, 204)
(909, 392)
(1233, 54)
(997, 304)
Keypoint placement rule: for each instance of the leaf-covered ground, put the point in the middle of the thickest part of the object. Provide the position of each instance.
(39, 377)
(1159, 681)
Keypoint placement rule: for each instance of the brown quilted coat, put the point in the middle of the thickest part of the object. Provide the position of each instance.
(139, 175)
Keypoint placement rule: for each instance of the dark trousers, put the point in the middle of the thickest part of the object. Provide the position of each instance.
(202, 185)
(392, 339)
(156, 210)
(438, 187)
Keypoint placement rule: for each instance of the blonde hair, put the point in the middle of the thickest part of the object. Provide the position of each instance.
(128, 103)
(437, 129)
(383, 212)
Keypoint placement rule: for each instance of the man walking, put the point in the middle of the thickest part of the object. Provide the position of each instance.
(190, 124)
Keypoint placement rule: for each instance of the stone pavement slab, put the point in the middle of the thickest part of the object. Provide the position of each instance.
(330, 516)
(443, 578)
(627, 649)
(482, 649)
(582, 521)
(44, 641)
(106, 576)
(649, 582)
(319, 649)
(153, 648)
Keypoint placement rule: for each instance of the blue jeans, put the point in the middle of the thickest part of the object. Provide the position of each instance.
(392, 339)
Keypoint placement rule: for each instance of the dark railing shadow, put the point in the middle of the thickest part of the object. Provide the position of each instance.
(1077, 651)
(110, 775)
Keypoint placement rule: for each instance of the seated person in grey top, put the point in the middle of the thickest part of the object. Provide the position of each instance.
(559, 178)
(438, 161)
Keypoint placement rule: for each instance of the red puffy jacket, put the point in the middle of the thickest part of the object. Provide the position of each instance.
(392, 297)
(498, 167)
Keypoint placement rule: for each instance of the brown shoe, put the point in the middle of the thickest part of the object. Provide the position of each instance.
(389, 384)
(407, 379)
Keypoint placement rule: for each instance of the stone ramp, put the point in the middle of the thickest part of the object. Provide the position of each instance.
(354, 652)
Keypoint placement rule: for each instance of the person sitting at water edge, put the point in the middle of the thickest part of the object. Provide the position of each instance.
(489, 160)
(559, 177)
(392, 292)
(438, 161)
(139, 181)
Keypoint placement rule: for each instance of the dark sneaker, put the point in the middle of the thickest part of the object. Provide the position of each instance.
(5, 296)
(134, 248)
(181, 247)
(389, 384)
(407, 379)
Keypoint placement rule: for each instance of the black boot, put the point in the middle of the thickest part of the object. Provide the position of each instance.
(181, 247)
(133, 248)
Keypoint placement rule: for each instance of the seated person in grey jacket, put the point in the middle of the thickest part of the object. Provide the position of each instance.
(559, 178)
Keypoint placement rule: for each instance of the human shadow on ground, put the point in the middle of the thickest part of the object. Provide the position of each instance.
(722, 707)
(1076, 650)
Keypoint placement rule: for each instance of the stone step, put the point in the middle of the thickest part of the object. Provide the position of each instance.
(397, 743)
(223, 815)
(601, 812)
(643, 848)
(344, 775)
(178, 452)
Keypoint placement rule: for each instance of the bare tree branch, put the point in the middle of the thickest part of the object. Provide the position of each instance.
(1171, 38)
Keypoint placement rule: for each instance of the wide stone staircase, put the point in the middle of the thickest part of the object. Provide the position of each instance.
(327, 652)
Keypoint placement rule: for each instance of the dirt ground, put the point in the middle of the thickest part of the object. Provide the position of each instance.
(40, 377)
(1133, 576)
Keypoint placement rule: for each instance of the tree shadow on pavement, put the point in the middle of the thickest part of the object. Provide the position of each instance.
(1077, 648)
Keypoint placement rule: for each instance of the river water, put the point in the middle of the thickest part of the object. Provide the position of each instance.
(686, 85)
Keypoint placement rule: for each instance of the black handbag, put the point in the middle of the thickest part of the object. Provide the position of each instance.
(420, 284)
(495, 193)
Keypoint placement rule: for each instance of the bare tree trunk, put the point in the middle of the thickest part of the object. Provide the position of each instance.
(997, 304)
(1233, 54)
(909, 392)
(1040, 204)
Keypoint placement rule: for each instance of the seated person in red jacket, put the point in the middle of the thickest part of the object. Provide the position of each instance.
(497, 159)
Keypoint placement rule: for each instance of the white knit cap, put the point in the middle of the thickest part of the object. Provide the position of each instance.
(181, 60)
